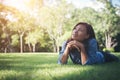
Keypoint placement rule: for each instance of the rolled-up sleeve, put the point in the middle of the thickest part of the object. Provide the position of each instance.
(61, 52)
(93, 55)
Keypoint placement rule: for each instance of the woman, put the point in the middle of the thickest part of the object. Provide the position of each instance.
(82, 47)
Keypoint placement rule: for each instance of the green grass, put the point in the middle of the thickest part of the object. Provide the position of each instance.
(44, 67)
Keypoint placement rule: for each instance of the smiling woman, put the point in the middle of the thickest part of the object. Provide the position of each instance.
(83, 48)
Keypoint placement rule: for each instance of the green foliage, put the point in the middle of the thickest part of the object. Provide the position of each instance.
(54, 20)
(48, 26)
(63, 38)
(15, 40)
(110, 49)
(34, 37)
(109, 18)
(3, 35)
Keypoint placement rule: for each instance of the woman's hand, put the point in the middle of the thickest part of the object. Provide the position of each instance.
(75, 44)
(80, 48)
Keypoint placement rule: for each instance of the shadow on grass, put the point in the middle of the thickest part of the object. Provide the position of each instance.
(26, 63)
(94, 72)
(108, 71)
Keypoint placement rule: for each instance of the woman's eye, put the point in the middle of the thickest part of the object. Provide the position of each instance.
(74, 29)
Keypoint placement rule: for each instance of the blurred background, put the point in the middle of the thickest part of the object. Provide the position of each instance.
(43, 25)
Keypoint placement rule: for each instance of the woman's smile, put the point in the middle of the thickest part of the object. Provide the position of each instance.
(74, 35)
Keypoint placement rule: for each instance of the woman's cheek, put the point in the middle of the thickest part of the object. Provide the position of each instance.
(81, 36)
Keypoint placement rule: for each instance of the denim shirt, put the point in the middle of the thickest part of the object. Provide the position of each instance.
(94, 56)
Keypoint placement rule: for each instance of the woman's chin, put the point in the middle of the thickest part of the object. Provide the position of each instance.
(74, 38)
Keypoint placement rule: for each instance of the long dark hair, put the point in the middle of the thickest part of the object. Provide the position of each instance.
(89, 28)
(90, 32)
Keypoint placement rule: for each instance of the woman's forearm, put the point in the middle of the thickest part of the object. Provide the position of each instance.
(65, 56)
(84, 56)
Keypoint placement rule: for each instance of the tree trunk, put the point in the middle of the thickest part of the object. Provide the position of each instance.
(21, 42)
(34, 48)
(57, 44)
(58, 48)
(5, 51)
(108, 40)
(30, 47)
(54, 46)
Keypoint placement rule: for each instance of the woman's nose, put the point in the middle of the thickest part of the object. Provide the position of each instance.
(76, 31)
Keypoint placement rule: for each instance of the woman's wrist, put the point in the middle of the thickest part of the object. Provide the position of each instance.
(82, 49)
(65, 55)
(81, 46)
(66, 51)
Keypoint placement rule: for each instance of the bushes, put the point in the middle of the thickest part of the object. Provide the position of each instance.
(110, 49)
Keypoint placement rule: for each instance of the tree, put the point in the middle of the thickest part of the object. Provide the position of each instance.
(110, 22)
(54, 19)
(5, 16)
(34, 37)
(23, 24)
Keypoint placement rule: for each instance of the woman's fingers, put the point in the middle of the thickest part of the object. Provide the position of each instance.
(78, 44)
(76, 47)
(71, 43)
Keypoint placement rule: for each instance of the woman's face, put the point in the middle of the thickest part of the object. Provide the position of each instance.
(80, 33)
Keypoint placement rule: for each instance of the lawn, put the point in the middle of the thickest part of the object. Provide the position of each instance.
(43, 66)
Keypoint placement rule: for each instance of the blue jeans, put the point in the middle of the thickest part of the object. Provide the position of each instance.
(109, 57)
